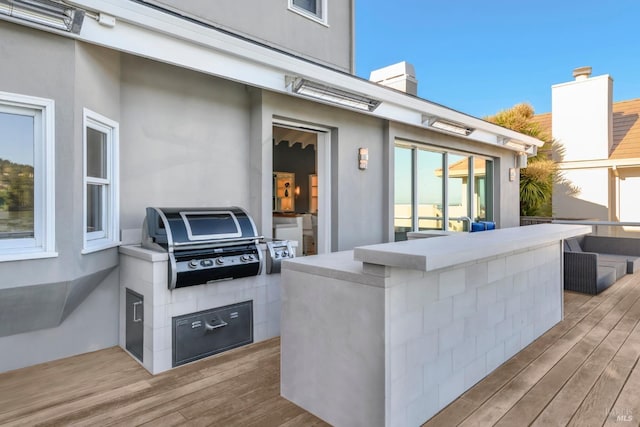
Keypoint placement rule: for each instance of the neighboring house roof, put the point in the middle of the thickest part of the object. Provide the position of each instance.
(626, 129)
(544, 122)
(460, 169)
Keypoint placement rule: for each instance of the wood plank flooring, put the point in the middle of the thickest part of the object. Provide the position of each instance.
(582, 372)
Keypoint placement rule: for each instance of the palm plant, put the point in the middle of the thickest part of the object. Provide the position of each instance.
(538, 178)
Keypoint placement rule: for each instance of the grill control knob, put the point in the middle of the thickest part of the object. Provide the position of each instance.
(219, 261)
(193, 263)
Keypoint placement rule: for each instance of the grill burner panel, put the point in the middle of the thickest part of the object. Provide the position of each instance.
(204, 244)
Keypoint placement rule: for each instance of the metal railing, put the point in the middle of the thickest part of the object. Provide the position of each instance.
(599, 225)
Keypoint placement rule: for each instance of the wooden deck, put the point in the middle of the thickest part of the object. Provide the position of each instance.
(582, 372)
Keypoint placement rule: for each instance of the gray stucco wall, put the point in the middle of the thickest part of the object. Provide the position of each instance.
(330, 44)
(185, 139)
(73, 75)
(184, 142)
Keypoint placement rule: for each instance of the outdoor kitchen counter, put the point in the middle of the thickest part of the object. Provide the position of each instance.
(389, 334)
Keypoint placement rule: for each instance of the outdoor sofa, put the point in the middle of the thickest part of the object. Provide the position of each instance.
(593, 263)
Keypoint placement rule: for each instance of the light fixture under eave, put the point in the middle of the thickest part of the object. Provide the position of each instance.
(447, 126)
(507, 142)
(333, 95)
(49, 13)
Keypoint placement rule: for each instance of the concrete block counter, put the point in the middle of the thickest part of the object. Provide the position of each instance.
(389, 334)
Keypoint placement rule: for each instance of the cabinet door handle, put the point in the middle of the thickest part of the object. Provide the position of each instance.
(135, 311)
(209, 327)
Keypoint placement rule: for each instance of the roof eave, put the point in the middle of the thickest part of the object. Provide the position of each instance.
(147, 32)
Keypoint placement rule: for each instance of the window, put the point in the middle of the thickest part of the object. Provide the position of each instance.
(100, 182)
(314, 9)
(432, 190)
(26, 177)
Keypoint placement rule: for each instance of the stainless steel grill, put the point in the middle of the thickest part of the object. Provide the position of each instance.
(204, 244)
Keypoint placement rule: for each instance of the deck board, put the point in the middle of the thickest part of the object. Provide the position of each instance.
(489, 400)
(583, 371)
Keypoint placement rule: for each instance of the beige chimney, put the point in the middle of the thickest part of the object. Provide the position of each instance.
(582, 73)
(400, 76)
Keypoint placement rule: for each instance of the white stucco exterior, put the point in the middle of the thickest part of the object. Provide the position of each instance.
(600, 184)
(582, 117)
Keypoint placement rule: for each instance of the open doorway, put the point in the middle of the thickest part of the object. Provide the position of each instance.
(295, 187)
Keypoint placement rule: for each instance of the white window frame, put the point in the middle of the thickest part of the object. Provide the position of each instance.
(42, 245)
(321, 19)
(108, 237)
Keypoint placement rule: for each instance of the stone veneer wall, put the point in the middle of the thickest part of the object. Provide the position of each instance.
(445, 330)
(146, 274)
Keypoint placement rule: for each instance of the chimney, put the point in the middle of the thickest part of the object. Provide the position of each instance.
(582, 73)
(400, 76)
(582, 115)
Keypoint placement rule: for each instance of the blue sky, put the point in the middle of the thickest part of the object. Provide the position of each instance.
(480, 57)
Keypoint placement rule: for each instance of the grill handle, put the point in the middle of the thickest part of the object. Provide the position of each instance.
(209, 327)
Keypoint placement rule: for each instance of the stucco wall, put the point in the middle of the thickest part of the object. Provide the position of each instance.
(592, 199)
(72, 75)
(582, 117)
(330, 44)
(184, 140)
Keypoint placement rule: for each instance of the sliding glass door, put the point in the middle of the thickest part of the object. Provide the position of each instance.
(440, 190)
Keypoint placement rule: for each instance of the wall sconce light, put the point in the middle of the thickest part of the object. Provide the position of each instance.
(363, 158)
(521, 160)
(296, 191)
(52, 14)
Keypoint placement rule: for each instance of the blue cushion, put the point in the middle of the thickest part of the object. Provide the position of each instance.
(477, 226)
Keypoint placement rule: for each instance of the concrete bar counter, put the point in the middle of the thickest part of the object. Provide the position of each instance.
(389, 334)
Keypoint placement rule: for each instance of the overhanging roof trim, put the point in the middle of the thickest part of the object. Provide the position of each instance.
(140, 29)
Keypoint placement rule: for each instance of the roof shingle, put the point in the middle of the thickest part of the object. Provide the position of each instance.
(626, 129)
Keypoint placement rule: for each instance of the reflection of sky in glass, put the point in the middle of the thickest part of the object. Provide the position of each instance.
(403, 175)
(429, 181)
(456, 193)
(16, 138)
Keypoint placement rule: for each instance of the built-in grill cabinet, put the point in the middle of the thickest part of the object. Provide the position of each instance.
(205, 333)
(204, 244)
(134, 326)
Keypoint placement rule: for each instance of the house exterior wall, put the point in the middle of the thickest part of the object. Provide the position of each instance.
(627, 195)
(330, 44)
(38, 297)
(186, 138)
(582, 121)
(592, 200)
